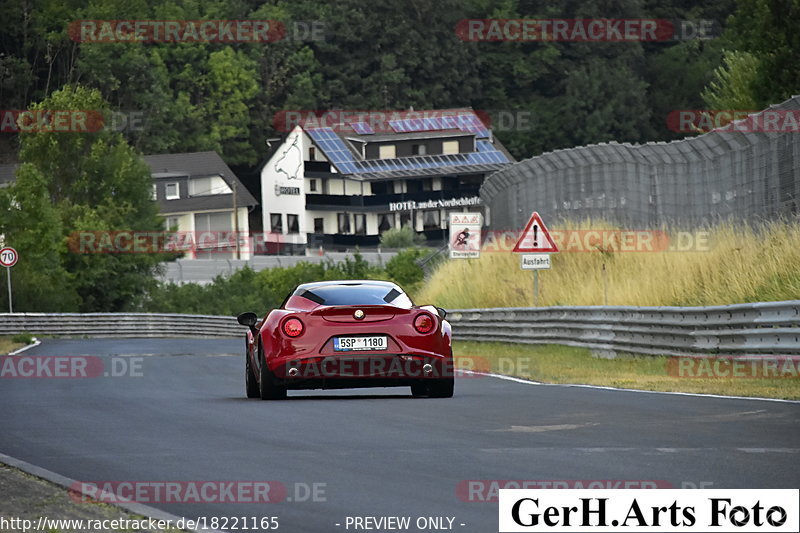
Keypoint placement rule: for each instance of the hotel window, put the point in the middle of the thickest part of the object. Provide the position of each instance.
(172, 223)
(381, 187)
(319, 225)
(172, 191)
(344, 222)
(292, 224)
(405, 220)
(430, 220)
(450, 147)
(312, 153)
(419, 149)
(385, 222)
(312, 185)
(276, 222)
(387, 151)
(155, 192)
(360, 224)
(427, 184)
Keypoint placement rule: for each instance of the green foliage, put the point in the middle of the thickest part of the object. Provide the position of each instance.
(769, 30)
(404, 270)
(387, 54)
(247, 290)
(734, 84)
(24, 338)
(71, 182)
(33, 226)
(404, 237)
(762, 51)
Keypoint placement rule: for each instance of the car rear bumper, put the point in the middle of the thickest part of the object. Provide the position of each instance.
(361, 370)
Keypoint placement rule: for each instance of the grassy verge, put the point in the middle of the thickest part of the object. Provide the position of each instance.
(566, 364)
(9, 343)
(726, 265)
(28, 498)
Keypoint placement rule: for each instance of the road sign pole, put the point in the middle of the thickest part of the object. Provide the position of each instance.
(536, 288)
(10, 306)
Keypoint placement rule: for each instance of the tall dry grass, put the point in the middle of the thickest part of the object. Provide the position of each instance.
(740, 264)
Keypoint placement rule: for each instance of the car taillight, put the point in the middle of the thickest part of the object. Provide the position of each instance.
(424, 323)
(293, 327)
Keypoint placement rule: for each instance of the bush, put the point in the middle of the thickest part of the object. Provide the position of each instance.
(247, 290)
(404, 237)
(24, 338)
(404, 270)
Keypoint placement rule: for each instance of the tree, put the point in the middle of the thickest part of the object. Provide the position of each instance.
(32, 225)
(762, 54)
(94, 181)
(735, 83)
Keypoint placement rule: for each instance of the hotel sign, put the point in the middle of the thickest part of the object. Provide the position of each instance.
(281, 190)
(411, 205)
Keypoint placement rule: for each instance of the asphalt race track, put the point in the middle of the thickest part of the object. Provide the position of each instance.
(378, 452)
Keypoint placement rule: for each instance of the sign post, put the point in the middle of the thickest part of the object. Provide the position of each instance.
(465, 235)
(537, 245)
(8, 258)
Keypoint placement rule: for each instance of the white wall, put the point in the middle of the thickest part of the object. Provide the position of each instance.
(285, 169)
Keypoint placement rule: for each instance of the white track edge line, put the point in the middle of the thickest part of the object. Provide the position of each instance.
(36, 342)
(602, 387)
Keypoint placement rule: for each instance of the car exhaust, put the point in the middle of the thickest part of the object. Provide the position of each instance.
(427, 368)
(293, 372)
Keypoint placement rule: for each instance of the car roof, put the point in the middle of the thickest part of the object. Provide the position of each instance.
(347, 282)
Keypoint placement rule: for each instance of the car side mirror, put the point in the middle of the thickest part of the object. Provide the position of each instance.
(442, 312)
(248, 319)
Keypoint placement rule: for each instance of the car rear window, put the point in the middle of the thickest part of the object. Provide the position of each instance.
(356, 294)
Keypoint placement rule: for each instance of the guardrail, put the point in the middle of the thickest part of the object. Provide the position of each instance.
(737, 330)
(741, 330)
(120, 325)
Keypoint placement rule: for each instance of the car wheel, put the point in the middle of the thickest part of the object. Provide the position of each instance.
(441, 388)
(419, 389)
(250, 383)
(268, 389)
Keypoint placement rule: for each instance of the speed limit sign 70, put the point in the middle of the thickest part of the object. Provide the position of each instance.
(8, 257)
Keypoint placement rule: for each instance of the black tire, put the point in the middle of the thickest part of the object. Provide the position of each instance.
(268, 389)
(419, 389)
(441, 388)
(250, 383)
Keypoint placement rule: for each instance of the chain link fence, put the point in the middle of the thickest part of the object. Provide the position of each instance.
(748, 176)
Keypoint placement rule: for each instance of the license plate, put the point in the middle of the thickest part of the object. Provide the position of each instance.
(348, 344)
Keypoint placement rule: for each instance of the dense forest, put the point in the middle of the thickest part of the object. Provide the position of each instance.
(394, 54)
(341, 54)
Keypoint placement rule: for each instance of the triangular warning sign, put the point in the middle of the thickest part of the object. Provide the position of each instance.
(535, 237)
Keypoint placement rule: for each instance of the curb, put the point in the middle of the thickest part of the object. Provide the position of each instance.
(70, 484)
(36, 342)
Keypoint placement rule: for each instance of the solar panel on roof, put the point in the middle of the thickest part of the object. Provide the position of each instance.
(341, 156)
(362, 128)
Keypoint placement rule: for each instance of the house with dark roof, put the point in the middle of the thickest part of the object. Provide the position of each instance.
(200, 197)
(195, 194)
(340, 185)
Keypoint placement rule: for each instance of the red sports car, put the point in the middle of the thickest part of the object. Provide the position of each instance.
(347, 334)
